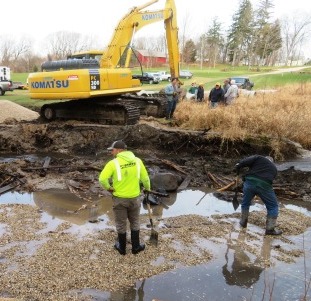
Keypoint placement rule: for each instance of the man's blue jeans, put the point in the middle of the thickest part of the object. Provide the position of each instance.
(171, 106)
(267, 196)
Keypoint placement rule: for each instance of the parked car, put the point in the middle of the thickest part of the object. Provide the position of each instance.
(165, 75)
(156, 77)
(185, 74)
(243, 83)
(148, 77)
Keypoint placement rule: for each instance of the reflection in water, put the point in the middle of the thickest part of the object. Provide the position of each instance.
(243, 271)
(191, 201)
(67, 206)
(130, 294)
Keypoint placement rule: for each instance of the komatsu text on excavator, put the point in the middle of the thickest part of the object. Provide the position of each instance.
(104, 89)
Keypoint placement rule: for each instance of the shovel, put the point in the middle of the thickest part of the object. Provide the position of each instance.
(235, 201)
(154, 234)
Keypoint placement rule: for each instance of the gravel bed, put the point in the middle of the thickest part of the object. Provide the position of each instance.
(50, 265)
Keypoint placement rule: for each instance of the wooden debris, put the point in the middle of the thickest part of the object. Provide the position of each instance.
(233, 183)
(201, 199)
(171, 164)
(78, 189)
(46, 163)
(63, 166)
(216, 180)
(81, 208)
(8, 188)
(184, 183)
(226, 184)
(9, 181)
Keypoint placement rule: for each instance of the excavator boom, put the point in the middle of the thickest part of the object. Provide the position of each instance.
(105, 81)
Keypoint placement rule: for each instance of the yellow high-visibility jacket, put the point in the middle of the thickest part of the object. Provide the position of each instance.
(126, 172)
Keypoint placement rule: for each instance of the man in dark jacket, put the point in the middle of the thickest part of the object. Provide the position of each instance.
(258, 181)
(216, 95)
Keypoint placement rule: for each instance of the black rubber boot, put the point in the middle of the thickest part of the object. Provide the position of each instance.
(136, 245)
(120, 245)
(244, 218)
(270, 226)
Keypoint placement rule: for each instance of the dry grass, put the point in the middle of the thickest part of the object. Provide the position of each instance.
(284, 114)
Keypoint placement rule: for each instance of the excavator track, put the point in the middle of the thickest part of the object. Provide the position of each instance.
(118, 112)
(154, 105)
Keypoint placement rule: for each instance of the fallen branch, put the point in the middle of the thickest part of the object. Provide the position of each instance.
(171, 164)
(227, 186)
(8, 187)
(184, 183)
(63, 166)
(45, 166)
(213, 179)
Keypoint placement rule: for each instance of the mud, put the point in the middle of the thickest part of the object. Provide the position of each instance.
(79, 149)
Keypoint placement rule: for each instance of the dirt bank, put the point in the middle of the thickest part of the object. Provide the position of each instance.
(187, 154)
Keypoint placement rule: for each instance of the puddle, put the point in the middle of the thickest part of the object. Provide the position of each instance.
(302, 164)
(233, 274)
(65, 206)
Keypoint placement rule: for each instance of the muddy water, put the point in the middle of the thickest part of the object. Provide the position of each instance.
(232, 275)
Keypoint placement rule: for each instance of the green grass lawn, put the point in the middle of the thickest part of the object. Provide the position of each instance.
(207, 76)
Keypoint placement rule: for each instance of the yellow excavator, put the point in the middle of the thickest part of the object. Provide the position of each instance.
(105, 90)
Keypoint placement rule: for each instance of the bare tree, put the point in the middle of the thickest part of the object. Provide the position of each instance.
(296, 30)
(11, 49)
(6, 51)
(62, 43)
(183, 34)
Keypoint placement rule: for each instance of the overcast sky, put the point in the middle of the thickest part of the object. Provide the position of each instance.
(98, 18)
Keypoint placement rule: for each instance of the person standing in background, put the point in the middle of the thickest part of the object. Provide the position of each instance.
(226, 86)
(216, 95)
(232, 93)
(200, 93)
(193, 90)
(172, 94)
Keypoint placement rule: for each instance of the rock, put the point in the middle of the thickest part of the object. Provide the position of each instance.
(167, 181)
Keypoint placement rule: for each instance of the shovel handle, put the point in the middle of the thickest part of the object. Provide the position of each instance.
(149, 210)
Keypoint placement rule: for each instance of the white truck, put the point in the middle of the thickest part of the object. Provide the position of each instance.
(5, 73)
(5, 85)
(164, 75)
(5, 80)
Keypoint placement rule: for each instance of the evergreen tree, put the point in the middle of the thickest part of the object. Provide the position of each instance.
(214, 42)
(240, 33)
(189, 52)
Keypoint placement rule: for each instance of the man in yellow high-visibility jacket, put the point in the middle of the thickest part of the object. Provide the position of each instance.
(126, 172)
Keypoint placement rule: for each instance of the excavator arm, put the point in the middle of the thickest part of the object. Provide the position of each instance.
(133, 22)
